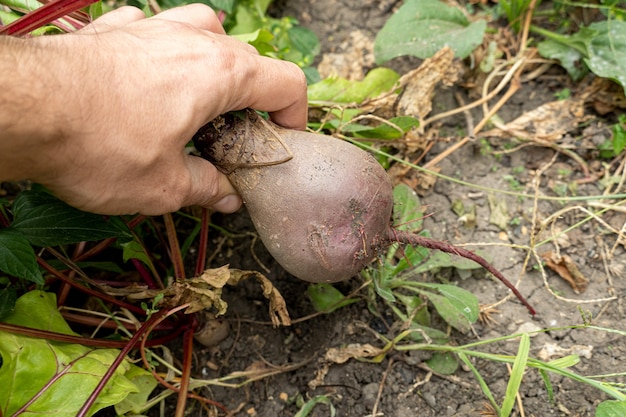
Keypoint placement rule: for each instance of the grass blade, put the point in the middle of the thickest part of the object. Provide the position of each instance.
(519, 366)
(483, 385)
(546, 381)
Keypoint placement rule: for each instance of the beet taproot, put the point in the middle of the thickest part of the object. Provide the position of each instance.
(321, 206)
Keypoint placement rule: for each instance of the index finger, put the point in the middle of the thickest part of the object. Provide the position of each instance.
(278, 87)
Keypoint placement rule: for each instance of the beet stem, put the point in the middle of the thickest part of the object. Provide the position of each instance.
(414, 239)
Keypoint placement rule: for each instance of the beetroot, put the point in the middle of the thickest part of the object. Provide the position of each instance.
(321, 206)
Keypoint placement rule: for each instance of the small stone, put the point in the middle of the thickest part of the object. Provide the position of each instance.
(370, 393)
(529, 327)
(430, 399)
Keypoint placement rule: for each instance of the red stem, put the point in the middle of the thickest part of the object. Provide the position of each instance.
(102, 245)
(145, 274)
(109, 323)
(167, 384)
(88, 290)
(186, 375)
(43, 15)
(174, 247)
(413, 239)
(141, 334)
(203, 242)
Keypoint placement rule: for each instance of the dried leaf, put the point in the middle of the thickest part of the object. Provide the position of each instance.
(418, 86)
(352, 351)
(341, 355)
(548, 122)
(205, 292)
(278, 306)
(550, 351)
(499, 214)
(567, 269)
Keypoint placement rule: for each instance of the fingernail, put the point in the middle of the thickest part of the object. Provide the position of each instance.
(228, 204)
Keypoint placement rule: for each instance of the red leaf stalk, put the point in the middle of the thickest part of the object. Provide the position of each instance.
(414, 239)
(43, 15)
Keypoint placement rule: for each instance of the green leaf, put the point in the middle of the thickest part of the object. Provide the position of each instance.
(463, 300)
(226, 5)
(385, 131)
(570, 58)
(135, 402)
(515, 380)
(42, 377)
(261, 39)
(416, 307)
(422, 27)
(412, 256)
(310, 405)
(304, 41)
(341, 90)
(611, 408)
(326, 298)
(436, 336)
(8, 296)
(384, 292)
(94, 10)
(619, 139)
(135, 250)
(438, 260)
(47, 221)
(17, 257)
(606, 50)
(457, 307)
(443, 363)
(407, 209)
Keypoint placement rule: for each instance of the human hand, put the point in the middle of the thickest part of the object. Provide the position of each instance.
(130, 93)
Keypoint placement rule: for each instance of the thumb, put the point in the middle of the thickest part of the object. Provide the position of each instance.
(211, 188)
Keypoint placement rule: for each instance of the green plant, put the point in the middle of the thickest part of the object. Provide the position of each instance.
(613, 147)
(396, 280)
(422, 27)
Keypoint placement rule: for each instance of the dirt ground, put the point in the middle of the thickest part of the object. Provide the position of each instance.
(401, 385)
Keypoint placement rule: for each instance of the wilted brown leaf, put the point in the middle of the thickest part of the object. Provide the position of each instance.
(278, 306)
(499, 213)
(417, 87)
(342, 355)
(567, 269)
(548, 122)
(352, 351)
(606, 96)
(205, 292)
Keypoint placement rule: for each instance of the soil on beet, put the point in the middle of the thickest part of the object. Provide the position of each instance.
(402, 385)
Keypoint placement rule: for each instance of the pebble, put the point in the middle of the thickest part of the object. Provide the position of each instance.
(529, 327)
(430, 399)
(369, 393)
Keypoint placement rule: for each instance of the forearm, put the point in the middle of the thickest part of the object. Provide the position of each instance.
(30, 117)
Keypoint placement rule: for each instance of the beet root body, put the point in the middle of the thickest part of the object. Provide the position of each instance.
(322, 206)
